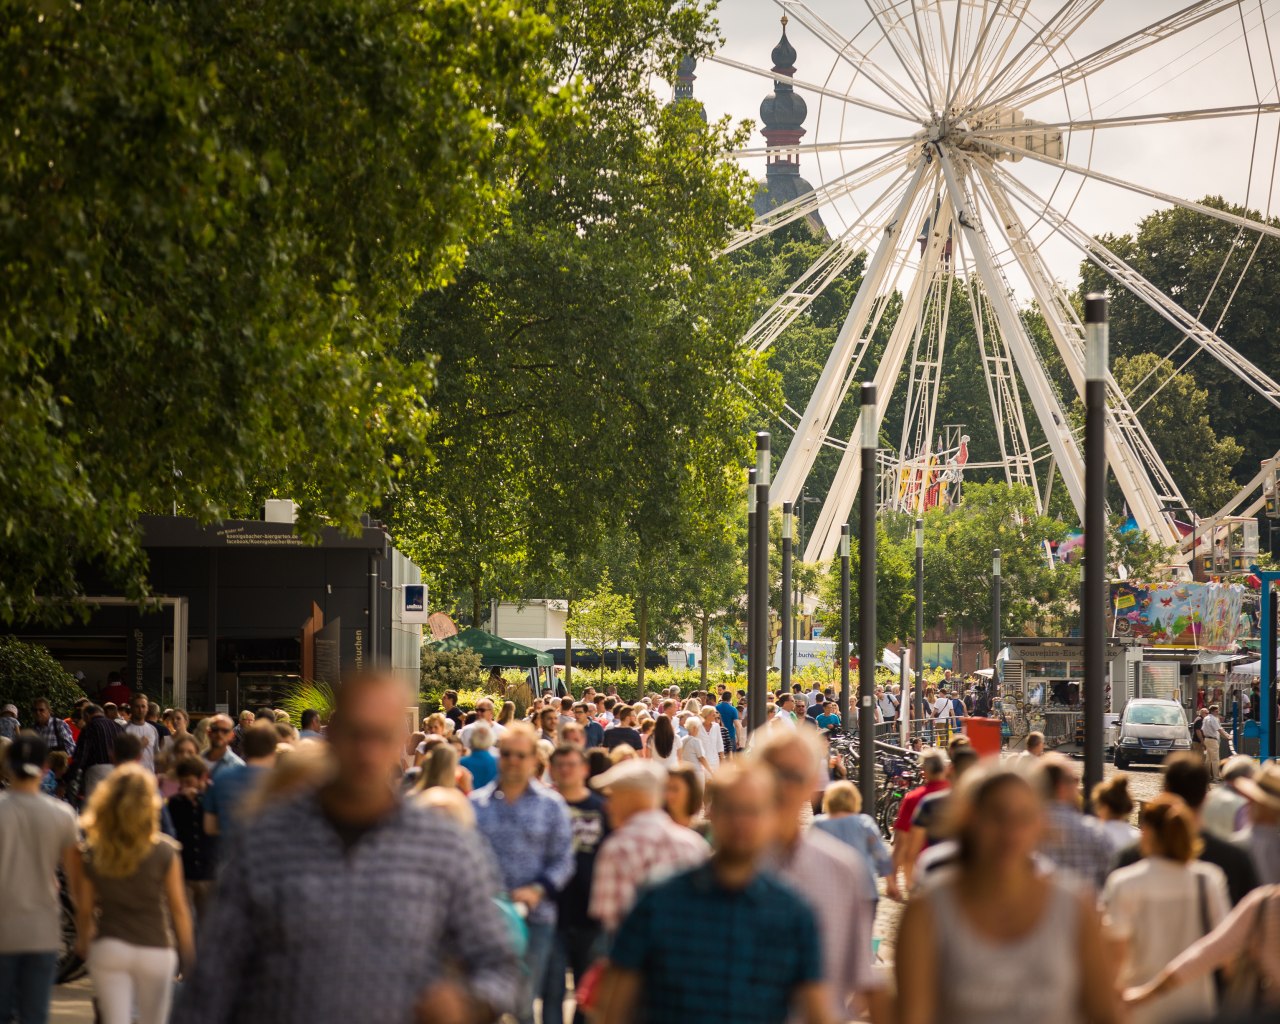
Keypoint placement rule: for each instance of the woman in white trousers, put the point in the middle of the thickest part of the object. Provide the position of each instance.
(131, 889)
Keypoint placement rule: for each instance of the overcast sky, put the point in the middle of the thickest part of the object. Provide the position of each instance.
(1206, 66)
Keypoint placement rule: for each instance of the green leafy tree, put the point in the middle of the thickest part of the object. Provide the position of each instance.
(27, 672)
(807, 577)
(1199, 260)
(449, 670)
(895, 590)
(1176, 416)
(589, 381)
(603, 620)
(212, 216)
(957, 557)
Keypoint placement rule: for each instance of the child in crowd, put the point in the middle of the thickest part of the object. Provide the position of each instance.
(199, 849)
(55, 768)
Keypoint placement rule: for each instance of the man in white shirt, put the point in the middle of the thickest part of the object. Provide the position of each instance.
(38, 835)
(1212, 728)
(888, 705)
(147, 734)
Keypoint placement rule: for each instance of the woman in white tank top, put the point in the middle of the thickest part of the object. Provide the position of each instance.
(997, 940)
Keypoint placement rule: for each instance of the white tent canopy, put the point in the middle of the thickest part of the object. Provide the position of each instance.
(1250, 668)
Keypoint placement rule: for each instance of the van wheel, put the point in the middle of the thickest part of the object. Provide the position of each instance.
(1120, 762)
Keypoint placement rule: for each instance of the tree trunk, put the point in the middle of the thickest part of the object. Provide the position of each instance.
(568, 650)
(642, 638)
(475, 602)
(706, 629)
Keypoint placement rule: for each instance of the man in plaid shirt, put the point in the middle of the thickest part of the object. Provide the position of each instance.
(349, 903)
(1072, 841)
(53, 730)
(645, 842)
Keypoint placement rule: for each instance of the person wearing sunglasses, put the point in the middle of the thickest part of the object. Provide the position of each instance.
(220, 756)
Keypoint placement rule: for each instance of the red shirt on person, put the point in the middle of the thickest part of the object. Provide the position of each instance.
(907, 810)
(117, 694)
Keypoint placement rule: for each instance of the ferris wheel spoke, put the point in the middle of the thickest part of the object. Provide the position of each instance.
(972, 67)
(847, 351)
(811, 202)
(851, 55)
(1112, 53)
(844, 486)
(1002, 388)
(833, 261)
(896, 141)
(1139, 120)
(889, 23)
(1147, 484)
(1040, 390)
(1052, 35)
(1248, 223)
(1134, 281)
(953, 58)
(820, 90)
(995, 57)
(924, 46)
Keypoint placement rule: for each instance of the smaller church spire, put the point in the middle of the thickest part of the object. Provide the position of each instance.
(685, 78)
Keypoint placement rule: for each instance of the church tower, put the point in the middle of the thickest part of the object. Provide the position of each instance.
(783, 113)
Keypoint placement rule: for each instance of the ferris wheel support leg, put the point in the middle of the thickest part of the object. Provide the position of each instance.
(824, 539)
(1122, 445)
(827, 393)
(1043, 399)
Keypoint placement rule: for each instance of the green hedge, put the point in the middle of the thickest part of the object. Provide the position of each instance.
(28, 671)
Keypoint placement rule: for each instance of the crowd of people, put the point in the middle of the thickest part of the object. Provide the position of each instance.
(636, 861)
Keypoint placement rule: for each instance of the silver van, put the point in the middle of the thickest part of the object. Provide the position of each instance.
(1150, 730)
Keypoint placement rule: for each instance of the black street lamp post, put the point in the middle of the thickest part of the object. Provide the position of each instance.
(785, 631)
(868, 652)
(1095, 540)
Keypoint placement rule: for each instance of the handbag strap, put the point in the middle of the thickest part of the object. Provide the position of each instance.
(1203, 900)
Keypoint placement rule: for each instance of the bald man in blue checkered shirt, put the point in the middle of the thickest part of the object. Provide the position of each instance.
(349, 904)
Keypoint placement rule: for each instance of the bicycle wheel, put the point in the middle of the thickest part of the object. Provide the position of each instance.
(70, 967)
(889, 811)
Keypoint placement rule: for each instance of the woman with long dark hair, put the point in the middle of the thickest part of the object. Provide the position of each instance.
(663, 747)
(997, 939)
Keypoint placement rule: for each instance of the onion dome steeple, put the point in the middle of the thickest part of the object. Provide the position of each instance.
(784, 111)
(782, 114)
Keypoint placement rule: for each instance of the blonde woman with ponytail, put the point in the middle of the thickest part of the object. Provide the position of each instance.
(132, 889)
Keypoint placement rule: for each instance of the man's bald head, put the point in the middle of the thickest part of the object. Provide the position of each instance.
(368, 729)
(377, 687)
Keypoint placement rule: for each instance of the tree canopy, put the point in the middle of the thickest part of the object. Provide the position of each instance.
(1202, 263)
(591, 397)
(210, 218)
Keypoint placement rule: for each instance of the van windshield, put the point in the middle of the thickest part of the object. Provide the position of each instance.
(1156, 714)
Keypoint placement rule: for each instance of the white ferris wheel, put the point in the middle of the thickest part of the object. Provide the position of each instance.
(957, 143)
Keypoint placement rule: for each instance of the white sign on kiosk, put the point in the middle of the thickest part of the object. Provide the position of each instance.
(413, 610)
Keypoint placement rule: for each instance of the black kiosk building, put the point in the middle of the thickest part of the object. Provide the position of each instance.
(243, 609)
